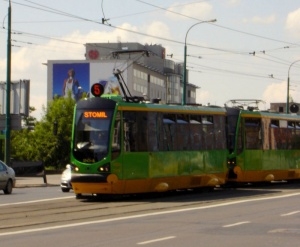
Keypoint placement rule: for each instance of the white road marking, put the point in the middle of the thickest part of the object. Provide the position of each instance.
(291, 213)
(156, 240)
(237, 224)
(35, 201)
(286, 230)
(144, 215)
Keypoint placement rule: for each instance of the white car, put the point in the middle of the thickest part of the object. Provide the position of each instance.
(7, 178)
(65, 182)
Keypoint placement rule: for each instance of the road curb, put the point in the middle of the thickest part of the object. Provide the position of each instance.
(35, 185)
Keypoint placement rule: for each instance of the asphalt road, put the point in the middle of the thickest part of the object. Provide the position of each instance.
(259, 216)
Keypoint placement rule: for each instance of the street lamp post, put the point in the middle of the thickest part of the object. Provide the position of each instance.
(288, 87)
(8, 81)
(184, 63)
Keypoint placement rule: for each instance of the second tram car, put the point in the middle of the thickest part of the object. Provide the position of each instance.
(264, 146)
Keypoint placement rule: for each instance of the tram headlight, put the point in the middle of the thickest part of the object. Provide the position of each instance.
(104, 168)
(231, 162)
(72, 167)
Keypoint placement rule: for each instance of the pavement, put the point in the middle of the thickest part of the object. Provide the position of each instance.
(50, 180)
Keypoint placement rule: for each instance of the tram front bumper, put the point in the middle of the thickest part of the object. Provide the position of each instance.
(95, 183)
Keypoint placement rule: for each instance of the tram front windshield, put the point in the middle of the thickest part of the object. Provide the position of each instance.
(91, 135)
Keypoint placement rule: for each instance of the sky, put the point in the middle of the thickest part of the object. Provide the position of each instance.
(248, 53)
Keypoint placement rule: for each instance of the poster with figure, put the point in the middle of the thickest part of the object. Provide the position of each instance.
(71, 79)
(103, 73)
(76, 77)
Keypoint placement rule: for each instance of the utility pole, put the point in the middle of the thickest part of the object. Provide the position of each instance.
(8, 81)
(184, 63)
(288, 88)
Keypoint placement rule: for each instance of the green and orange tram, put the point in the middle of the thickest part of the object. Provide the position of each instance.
(123, 147)
(264, 146)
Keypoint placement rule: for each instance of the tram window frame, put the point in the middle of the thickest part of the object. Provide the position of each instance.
(135, 131)
(273, 133)
(196, 132)
(253, 133)
(182, 130)
(116, 137)
(154, 131)
(169, 118)
(296, 136)
(168, 124)
(207, 119)
(182, 118)
(208, 135)
(219, 132)
(281, 135)
(195, 119)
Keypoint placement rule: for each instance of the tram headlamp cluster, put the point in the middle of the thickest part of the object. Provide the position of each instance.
(104, 168)
(231, 162)
(73, 167)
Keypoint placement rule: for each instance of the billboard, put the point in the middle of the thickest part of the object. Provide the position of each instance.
(77, 77)
(19, 97)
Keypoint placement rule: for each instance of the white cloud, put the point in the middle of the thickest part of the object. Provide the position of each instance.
(3, 66)
(28, 62)
(234, 2)
(158, 29)
(261, 20)
(200, 11)
(202, 96)
(275, 92)
(293, 22)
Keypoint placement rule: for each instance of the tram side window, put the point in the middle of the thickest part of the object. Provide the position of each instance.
(169, 121)
(153, 127)
(142, 134)
(283, 134)
(208, 137)
(296, 136)
(161, 131)
(253, 137)
(196, 132)
(274, 135)
(116, 142)
(286, 134)
(135, 131)
(182, 132)
(219, 129)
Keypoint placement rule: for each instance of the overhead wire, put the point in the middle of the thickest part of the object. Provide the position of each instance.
(55, 11)
(214, 24)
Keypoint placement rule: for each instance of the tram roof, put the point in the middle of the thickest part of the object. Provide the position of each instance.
(182, 109)
(266, 114)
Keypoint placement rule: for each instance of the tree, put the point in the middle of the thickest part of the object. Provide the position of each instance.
(22, 141)
(54, 150)
(41, 143)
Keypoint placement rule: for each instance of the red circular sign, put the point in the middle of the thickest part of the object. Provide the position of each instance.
(93, 54)
(97, 89)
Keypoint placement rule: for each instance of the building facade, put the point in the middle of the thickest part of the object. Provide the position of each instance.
(281, 107)
(149, 73)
